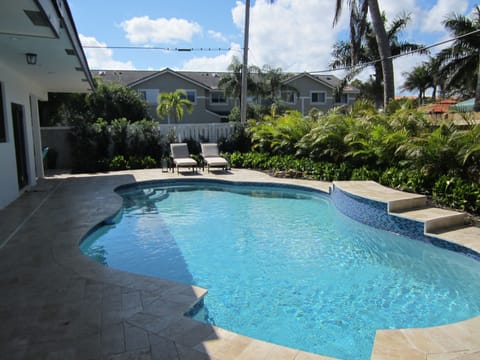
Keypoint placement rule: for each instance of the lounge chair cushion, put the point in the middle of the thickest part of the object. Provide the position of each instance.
(216, 161)
(185, 162)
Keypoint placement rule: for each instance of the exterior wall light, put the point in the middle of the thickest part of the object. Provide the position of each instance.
(31, 58)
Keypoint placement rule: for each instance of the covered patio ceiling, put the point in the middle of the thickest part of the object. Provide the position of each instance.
(44, 28)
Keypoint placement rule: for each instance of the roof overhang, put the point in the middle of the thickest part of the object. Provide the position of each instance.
(44, 28)
(171, 72)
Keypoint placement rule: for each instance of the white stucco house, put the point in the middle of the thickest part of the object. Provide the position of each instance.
(40, 53)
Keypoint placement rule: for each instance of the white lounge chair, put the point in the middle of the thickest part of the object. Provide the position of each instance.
(212, 158)
(181, 157)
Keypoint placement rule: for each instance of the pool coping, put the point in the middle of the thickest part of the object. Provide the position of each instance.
(139, 315)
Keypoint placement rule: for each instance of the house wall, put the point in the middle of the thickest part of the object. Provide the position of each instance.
(305, 87)
(17, 89)
(168, 82)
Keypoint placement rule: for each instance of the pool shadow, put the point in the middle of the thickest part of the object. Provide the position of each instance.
(75, 304)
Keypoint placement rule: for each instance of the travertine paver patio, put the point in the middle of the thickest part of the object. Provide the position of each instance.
(57, 304)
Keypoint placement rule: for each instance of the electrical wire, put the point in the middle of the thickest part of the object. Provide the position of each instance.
(348, 68)
(154, 48)
(393, 57)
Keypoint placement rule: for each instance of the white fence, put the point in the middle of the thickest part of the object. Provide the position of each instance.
(198, 132)
(57, 137)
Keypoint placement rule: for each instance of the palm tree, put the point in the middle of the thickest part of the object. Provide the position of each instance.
(461, 63)
(173, 104)
(367, 54)
(433, 68)
(231, 82)
(358, 15)
(271, 83)
(419, 78)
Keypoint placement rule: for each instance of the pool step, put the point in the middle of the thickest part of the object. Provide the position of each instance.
(440, 223)
(434, 219)
(467, 235)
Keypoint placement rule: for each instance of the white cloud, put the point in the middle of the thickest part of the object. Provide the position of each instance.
(433, 18)
(217, 35)
(102, 58)
(296, 35)
(143, 30)
(217, 63)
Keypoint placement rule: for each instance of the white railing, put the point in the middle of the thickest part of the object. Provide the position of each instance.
(211, 132)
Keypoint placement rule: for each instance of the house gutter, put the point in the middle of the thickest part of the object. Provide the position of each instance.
(64, 18)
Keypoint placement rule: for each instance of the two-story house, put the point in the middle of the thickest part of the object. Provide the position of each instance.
(211, 105)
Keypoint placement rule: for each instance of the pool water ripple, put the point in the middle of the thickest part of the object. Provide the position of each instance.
(285, 266)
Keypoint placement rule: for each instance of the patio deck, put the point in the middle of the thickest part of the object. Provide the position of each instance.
(55, 303)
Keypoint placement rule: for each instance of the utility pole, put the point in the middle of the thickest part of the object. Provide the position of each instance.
(243, 97)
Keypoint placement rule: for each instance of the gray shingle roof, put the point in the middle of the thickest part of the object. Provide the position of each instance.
(207, 79)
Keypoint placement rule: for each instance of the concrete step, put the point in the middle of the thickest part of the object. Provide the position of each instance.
(440, 223)
(468, 236)
(434, 219)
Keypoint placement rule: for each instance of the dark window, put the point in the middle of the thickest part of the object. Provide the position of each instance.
(218, 98)
(3, 128)
(318, 97)
(341, 98)
(190, 95)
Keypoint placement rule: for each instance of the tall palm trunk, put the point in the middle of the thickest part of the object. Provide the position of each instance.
(378, 85)
(476, 104)
(384, 50)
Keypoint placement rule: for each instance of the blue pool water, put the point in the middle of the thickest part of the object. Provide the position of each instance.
(283, 265)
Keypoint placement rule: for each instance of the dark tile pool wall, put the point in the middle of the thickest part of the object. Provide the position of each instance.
(374, 213)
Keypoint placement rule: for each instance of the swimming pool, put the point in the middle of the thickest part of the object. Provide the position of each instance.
(283, 265)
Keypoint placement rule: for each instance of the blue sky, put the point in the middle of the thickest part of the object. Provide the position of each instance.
(295, 35)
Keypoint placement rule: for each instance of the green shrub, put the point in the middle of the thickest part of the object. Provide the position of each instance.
(454, 192)
(119, 134)
(135, 162)
(145, 139)
(89, 145)
(239, 140)
(406, 180)
(149, 163)
(365, 173)
(118, 163)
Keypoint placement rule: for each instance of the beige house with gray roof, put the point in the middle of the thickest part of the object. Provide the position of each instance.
(210, 103)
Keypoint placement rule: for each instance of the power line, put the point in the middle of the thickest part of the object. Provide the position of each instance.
(154, 48)
(393, 57)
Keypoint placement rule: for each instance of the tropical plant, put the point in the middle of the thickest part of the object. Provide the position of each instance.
(278, 134)
(270, 85)
(119, 134)
(89, 145)
(326, 139)
(460, 62)
(173, 104)
(419, 78)
(433, 153)
(231, 82)
(468, 142)
(367, 53)
(358, 27)
(145, 139)
(113, 101)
